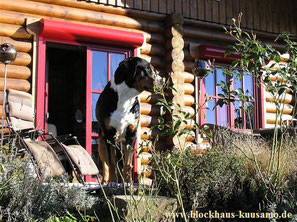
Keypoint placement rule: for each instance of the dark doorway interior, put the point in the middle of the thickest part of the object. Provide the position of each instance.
(67, 89)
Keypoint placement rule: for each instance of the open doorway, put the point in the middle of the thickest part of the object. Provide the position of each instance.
(66, 88)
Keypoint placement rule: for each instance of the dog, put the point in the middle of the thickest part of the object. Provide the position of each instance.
(118, 112)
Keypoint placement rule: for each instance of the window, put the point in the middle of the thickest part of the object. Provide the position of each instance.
(102, 66)
(232, 114)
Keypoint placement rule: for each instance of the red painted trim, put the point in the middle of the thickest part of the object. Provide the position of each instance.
(217, 53)
(262, 122)
(108, 66)
(89, 102)
(40, 86)
(89, 108)
(77, 33)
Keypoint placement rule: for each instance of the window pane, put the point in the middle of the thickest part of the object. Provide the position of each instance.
(238, 120)
(99, 70)
(210, 84)
(210, 113)
(237, 83)
(249, 113)
(115, 59)
(220, 77)
(248, 84)
(222, 116)
(94, 119)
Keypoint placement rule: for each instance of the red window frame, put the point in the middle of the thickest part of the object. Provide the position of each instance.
(217, 53)
(79, 35)
(89, 91)
(230, 108)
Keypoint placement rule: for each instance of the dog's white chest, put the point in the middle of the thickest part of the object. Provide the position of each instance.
(122, 117)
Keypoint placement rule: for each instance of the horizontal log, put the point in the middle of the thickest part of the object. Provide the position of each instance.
(148, 121)
(152, 49)
(189, 77)
(187, 54)
(147, 133)
(22, 59)
(148, 147)
(156, 61)
(189, 100)
(11, 18)
(157, 38)
(20, 45)
(189, 110)
(147, 97)
(145, 158)
(18, 84)
(271, 122)
(13, 31)
(107, 9)
(77, 14)
(148, 109)
(190, 124)
(219, 27)
(189, 88)
(190, 137)
(16, 72)
(220, 36)
(272, 116)
(288, 100)
(284, 111)
(273, 106)
(210, 35)
(150, 37)
(146, 170)
(188, 65)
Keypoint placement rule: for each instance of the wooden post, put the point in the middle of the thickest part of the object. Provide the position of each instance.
(175, 58)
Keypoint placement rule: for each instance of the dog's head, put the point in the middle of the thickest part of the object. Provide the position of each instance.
(137, 73)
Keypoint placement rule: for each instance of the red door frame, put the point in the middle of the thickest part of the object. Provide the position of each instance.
(76, 34)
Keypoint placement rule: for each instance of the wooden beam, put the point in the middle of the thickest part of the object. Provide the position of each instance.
(13, 31)
(77, 14)
(20, 45)
(16, 72)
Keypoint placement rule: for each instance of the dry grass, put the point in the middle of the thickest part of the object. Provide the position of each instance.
(257, 149)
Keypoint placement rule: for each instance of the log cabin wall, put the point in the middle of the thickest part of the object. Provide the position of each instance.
(266, 15)
(202, 23)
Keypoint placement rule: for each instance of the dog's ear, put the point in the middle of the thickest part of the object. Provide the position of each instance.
(120, 73)
(127, 71)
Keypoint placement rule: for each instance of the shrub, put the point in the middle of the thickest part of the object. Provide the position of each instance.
(207, 181)
(24, 197)
(227, 178)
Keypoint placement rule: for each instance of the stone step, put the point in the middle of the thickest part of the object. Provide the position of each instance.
(142, 208)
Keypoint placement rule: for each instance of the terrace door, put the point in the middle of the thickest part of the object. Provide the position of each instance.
(74, 64)
(102, 63)
(76, 76)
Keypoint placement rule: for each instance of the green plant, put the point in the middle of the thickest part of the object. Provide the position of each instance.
(24, 197)
(276, 78)
(173, 118)
(208, 181)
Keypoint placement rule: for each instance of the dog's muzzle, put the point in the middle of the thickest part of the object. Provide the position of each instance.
(158, 82)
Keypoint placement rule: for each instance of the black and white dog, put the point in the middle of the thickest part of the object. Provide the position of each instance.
(118, 111)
